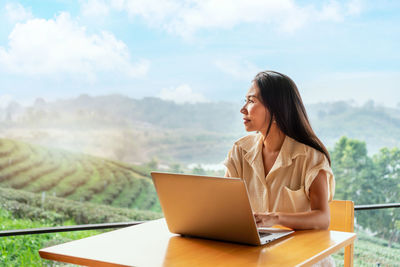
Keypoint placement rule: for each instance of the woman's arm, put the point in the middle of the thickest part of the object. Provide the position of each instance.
(317, 218)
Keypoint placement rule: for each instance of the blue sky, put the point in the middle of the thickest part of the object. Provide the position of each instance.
(194, 50)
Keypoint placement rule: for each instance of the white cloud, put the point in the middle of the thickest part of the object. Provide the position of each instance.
(186, 17)
(332, 11)
(181, 94)
(354, 7)
(151, 10)
(15, 12)
(95, 8)
(243, 70)
(61, 45)
(337, 12)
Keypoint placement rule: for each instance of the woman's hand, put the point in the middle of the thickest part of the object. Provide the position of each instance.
(265, 219)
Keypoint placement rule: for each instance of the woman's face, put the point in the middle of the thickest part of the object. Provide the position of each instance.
(255, 114)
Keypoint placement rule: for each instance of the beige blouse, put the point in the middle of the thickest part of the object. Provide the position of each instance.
(287, 185)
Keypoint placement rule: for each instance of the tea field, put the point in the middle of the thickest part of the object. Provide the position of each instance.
(84, 178)
(42, 187)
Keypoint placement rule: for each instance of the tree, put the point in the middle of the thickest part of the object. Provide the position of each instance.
(387, 188)
(176, 168)
(199, 170)
(153, 164)
(367, 180)
(351, 165)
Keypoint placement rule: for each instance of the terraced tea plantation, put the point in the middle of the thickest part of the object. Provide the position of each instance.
(79, 177)
(42, 187)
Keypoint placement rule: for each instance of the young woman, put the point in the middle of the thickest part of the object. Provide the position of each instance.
(285, 166)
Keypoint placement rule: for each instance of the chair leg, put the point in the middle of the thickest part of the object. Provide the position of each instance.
(349, 255)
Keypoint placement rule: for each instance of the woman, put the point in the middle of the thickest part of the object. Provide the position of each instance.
(285, 166)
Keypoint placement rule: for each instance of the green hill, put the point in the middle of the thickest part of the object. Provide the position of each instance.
(138, 130)
(376, 125)
(79, 177)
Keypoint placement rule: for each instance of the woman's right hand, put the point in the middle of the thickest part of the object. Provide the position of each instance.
(266, 219)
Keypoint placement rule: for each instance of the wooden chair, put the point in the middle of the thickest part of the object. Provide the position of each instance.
(342, 219)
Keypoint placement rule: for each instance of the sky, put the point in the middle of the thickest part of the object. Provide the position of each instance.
(199, 50)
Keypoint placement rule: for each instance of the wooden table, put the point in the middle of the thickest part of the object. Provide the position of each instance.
(151, 244)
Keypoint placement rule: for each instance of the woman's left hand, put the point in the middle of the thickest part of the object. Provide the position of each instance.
(265, 219)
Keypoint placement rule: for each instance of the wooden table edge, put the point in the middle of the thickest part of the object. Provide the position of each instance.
(76, 260)
(90, 262)
(328, 251)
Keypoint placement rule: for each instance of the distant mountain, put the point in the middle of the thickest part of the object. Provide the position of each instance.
(116, 110)
(135, 130)
(376, 125)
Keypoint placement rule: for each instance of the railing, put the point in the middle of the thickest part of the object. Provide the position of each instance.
(46, 230)
(100, 226)
(377, 206)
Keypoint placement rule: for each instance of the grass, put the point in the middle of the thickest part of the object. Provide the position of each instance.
(23, 250)
(370, 251)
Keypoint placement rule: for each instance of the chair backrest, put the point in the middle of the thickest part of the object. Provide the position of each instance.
(342, 215)
(342, 219)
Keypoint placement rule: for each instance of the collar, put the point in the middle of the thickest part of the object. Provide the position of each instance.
(253, 144)
(290, 150)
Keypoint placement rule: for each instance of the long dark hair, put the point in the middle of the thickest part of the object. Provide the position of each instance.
(281, 97)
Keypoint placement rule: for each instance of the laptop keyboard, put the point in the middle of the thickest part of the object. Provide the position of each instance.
(263, 234)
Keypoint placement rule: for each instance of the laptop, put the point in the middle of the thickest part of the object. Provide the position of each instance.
(210, 207)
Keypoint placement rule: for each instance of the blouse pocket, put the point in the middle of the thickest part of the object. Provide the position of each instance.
(295, 201)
